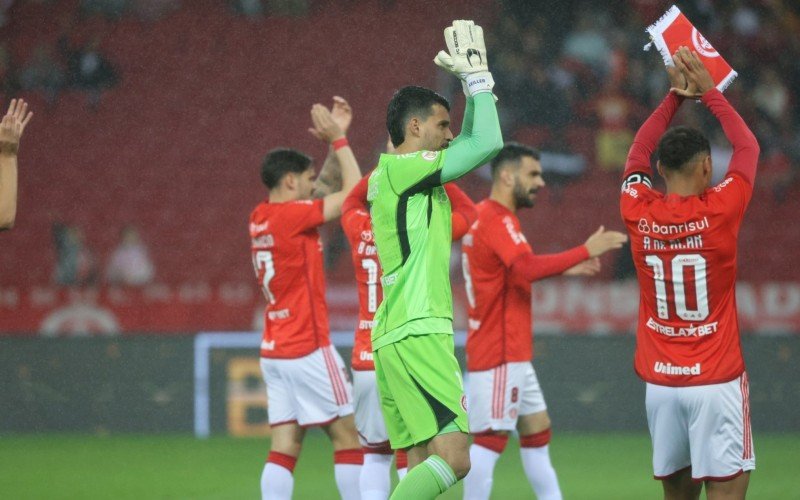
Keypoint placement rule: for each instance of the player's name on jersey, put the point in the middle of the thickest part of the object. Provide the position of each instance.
(367, 249)
(279, 314)
(265, 241)
(690, 242)
(689, 331)
(670, 369)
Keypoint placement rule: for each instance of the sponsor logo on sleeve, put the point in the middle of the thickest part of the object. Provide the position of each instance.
(719, 187)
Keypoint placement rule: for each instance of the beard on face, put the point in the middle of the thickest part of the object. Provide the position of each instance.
(522, 197)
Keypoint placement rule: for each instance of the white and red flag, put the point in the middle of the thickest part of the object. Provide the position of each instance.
(673, 30)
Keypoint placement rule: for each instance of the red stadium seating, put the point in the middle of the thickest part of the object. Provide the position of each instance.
(175, 149)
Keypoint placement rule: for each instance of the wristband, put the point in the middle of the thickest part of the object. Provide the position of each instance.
(340, 143)
(479, 82)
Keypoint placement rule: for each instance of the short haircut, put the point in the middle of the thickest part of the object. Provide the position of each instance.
(282, 161)
(679, 145)
(407, 103)
(512, 152)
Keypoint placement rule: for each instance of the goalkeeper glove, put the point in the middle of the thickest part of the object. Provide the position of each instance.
(467, 57)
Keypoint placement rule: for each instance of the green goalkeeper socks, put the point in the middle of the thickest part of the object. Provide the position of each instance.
(428, 480)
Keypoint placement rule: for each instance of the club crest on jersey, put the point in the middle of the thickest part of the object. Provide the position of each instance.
(429, 155)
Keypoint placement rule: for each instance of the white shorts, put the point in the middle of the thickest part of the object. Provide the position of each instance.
(369, 418)
(497, 397)
(312, 390)
(705, 427)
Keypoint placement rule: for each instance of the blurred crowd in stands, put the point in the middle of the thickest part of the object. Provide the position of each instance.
(129, 264)
(581, 65)
(572, 79)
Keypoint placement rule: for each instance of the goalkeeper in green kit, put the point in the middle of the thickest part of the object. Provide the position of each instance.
(419, 380)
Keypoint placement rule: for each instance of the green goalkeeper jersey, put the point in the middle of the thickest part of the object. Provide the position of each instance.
(411, 223)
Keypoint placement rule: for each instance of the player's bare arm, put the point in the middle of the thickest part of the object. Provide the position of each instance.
(602, 241)
(11, 128)
(327, 129)
(329, 179)
(588, 267)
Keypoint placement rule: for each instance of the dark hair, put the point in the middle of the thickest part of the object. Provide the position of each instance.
(281, 161)
(512, 151)
(679, 145)
(405, 104)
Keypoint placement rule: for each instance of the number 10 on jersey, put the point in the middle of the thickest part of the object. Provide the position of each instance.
(679, 265)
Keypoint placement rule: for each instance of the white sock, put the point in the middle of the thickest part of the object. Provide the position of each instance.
(401, 473)
(478, 483)
(375, 482)
(540, 472)
(347, 479)
(277, 482)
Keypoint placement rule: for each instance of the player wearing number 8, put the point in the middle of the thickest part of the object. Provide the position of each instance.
(307, 383)
(684, 248)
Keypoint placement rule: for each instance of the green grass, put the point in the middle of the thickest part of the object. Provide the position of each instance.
(590, 466)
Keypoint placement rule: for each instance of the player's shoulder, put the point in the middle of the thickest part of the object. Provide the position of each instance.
(260, 211)
(732, 181)
(637, 186)
(416, 156)
(354, 221)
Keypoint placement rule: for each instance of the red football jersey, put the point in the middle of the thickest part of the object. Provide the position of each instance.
(684, 249)
(357, 227)
(287, 258)
(499, 329)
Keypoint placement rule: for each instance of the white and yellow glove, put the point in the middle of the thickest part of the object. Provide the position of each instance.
(467, 57)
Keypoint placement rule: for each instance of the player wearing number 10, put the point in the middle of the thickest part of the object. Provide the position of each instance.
(307, 383)
(684, 249)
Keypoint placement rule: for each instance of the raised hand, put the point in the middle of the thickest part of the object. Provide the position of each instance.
(602, 241)
(325, 127)
(342, 113)
(676, 78)
(588, 267)
(698, 79)
(13, 125)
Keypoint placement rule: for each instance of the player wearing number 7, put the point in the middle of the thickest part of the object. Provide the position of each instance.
(357, 225)
(684, 248)
(307, 383)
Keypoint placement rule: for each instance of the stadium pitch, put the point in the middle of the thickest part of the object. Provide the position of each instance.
(590, 466)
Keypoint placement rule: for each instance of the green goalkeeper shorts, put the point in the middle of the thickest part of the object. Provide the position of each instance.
(420, 387)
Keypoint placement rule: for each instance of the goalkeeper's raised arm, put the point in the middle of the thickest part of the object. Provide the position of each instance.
(418, 119)
(480, 137)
